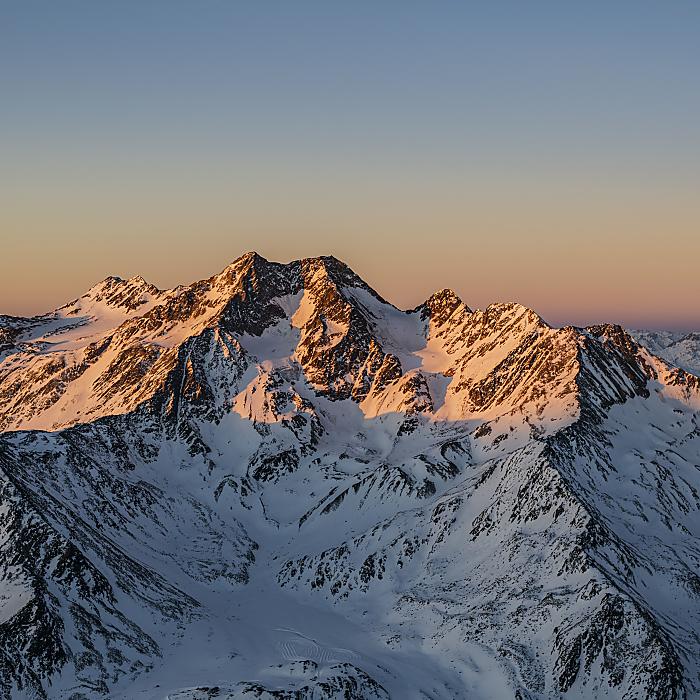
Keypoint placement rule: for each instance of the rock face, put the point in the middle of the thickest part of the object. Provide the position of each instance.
(273, 483)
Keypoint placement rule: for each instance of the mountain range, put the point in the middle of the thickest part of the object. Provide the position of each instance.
(275, 484)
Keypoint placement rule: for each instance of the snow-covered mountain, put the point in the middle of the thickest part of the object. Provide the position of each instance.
(680, 349)
(275, 484)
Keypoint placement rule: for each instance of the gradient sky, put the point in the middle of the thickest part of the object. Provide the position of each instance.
(544, 152)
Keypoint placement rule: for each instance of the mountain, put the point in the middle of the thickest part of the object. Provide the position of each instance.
(680, 349)
(273, 483)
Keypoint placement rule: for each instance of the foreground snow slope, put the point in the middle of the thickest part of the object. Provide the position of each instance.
(273, 483)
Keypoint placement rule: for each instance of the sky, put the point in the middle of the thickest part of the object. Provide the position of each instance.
(540, 152)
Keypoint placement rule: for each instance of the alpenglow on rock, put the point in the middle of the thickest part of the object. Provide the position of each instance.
(273, 483)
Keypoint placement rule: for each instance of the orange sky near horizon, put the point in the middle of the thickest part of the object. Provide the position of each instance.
(545, 153)
(580, 256)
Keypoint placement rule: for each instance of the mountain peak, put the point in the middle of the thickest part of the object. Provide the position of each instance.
(115, 291)
(337, 272)
(107, 283)
(444, 297)
(440, 305)
(114, 281)
(515, 310)
(250, 257)
(245, 261)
